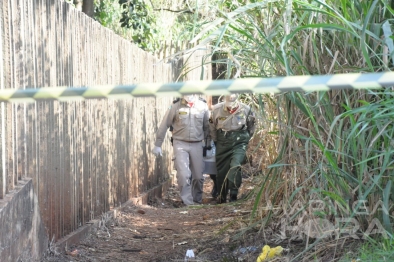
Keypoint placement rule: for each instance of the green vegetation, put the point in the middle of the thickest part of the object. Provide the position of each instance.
(150, 23)
(335, 147)
(372, 251)
(133, 19)
(332, 147)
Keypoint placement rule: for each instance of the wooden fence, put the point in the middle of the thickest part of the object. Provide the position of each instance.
(85, 157)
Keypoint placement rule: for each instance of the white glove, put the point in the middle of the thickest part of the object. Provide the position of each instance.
(157, 151)
(189, 253)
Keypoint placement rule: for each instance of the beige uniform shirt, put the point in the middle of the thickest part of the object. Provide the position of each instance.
(242, 119)
(189, 124)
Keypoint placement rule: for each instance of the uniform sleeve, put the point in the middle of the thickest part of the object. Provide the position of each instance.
(206, 123)
(212, 127)
(164, 125)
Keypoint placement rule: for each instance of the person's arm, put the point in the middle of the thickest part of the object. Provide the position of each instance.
(206, 123)
(212, 127)
(164, 125)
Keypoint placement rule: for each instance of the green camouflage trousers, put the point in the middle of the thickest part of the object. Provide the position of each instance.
(230, 153)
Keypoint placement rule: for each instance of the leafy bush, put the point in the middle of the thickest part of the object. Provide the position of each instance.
(133, 19)
(139, 16)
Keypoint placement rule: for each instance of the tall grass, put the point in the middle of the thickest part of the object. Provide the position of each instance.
(335, 146)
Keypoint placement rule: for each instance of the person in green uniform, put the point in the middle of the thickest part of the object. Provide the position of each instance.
(231, 125)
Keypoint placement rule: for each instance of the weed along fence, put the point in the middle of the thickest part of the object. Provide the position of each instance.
(83, 157)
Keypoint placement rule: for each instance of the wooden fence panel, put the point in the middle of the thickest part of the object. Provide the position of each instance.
(85, 157)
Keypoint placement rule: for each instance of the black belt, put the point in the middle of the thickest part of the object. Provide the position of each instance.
(189, 141)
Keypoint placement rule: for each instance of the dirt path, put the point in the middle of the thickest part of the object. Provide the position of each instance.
(165, 230)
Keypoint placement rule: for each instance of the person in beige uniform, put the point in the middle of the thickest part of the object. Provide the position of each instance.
(189, 120)
(232, 124)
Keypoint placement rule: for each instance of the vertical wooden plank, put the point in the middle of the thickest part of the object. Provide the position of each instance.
(93, 162)
(47, 166)
(77, 144)
(89, 132)
(40, 179)
(30, 83)
(51, 118)
(73, 172)
(67, 108)
(3, 164)
(79, 160)
(57, 132)
(137, 179)
(83, 123)
(25, 32)
(73, 123)
(133, 180)
(118, 128)
(10, 151)
(129, 143)
(113, 175)
(104, 169)
(55, 166)
(111, 153)
(19, 74)
(106, 185)
(96, 192)
(29, 15)
(9, 83)
(91, 106)
(59, 121)
(42, 110)
(129, 124)
(121, 156)
(87, 157)
(8, 45)
(80, 134)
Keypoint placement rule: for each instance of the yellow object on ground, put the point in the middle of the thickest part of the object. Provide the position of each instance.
(267, 253)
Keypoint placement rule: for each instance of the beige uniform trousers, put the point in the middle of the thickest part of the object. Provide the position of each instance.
(189, 166)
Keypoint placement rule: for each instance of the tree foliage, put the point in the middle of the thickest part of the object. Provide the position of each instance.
(138, 15)
(132, 19)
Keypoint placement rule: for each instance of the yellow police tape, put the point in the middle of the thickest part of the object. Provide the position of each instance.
(207, 87)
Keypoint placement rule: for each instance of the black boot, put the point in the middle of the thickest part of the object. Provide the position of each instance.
(233, 191)
(214, 192)
(221, 200)
(222, 195)
(233, 197)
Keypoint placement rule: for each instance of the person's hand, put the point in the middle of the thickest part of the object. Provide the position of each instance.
(157, 151)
